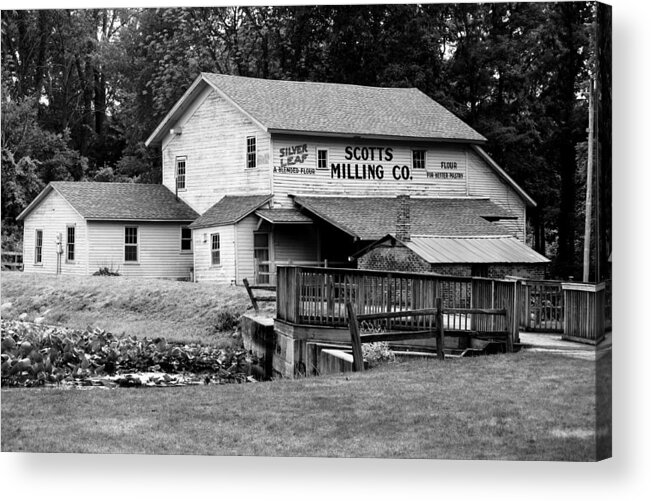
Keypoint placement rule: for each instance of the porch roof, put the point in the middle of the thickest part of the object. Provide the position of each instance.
(229, 210)
(373, 218)
(283, 216)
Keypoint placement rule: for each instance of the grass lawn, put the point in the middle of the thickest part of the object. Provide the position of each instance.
(522, 406)
(178, 311)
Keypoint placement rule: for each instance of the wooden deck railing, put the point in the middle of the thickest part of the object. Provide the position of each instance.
(318, 296)
(435, 329)
(12, 260)
(266, 271)
(250, 289)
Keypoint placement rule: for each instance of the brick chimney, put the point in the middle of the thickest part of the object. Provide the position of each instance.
(403, 220)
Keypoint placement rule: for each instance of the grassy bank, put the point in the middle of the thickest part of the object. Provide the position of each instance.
(178, 311)
(521, 406)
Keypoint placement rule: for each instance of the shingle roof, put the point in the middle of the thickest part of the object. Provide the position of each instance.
(373, 218)
(287, 216)
(119, 201)
(329, 108)
(473, 250)
(229, 210)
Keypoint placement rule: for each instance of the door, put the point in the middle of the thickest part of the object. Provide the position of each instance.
(261, 258)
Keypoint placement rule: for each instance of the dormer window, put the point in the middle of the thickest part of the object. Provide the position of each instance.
(180, 172)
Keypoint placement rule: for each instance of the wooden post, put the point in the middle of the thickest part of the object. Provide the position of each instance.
(511, 323)
(440, 338)
(251, 296)
(353, 325)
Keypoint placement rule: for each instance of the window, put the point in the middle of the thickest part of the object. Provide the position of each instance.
(215, 258)
(180, 173)
(418, 159)
(251, 156)
(70, 244)
(38, 247)
(322, 159)
(186, 239)
(131, 244)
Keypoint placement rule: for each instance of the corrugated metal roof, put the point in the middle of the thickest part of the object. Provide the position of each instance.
(473, 250)
(286, 216)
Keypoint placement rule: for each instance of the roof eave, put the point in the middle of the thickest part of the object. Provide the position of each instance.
(375, 137)
(525, 196)
(327, 219)
(141, 219)
(180, 106)
(232, 221)
(45, 192)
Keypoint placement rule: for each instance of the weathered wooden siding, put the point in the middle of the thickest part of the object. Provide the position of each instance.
(52, 216)
(295, 243)
(214, 144)
(203, 269)
(244, 235)
(159, 249)
(483, 181)
(298, 173)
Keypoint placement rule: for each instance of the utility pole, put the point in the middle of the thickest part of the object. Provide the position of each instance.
(588, 186)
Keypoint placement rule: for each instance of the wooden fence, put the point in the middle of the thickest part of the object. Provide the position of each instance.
(541, 305)
(585, 312)
(318, 296)
(12, 260)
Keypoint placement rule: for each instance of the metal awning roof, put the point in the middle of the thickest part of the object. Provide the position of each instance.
(487, 249)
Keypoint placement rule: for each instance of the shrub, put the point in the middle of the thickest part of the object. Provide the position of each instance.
(106, 272)
(375, 353)
(226, 321)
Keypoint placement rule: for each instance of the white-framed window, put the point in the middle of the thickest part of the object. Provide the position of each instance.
(180, 172)
(251, 153)
(321, 159)
(38, 247)
(70, 244)
(418, 159)
(186, 239)
(130, 244)
(215, 254)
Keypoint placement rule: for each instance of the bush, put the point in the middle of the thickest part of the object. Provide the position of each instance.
(106, 272)
(375, 353)
(226, 321)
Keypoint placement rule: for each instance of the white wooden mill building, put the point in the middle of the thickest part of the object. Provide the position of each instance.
(265, 172)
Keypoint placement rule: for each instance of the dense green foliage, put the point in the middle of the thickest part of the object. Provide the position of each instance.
(35, 355)
(82, 89)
